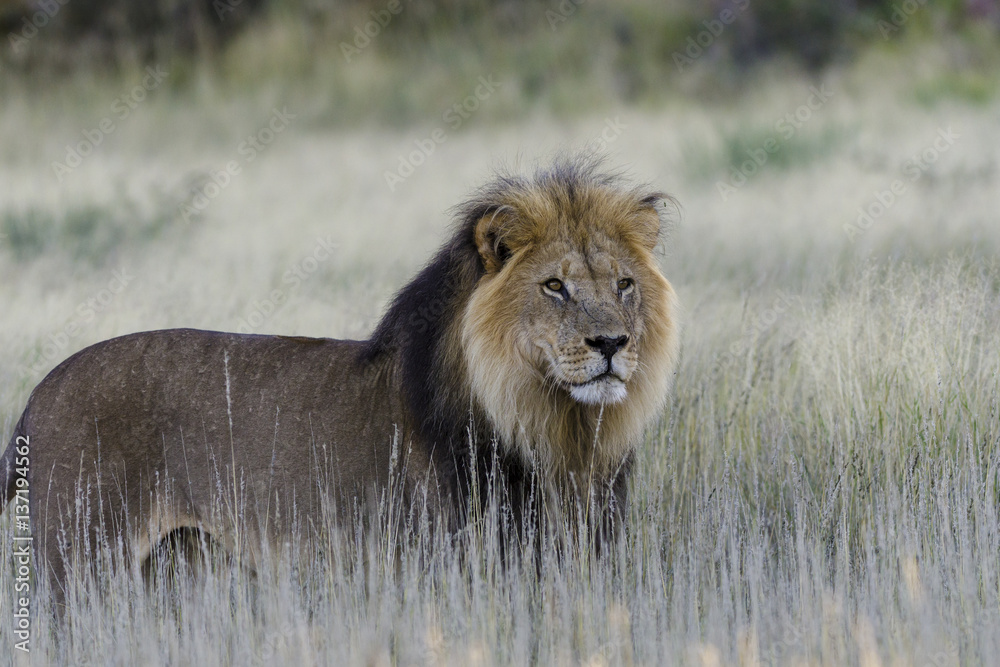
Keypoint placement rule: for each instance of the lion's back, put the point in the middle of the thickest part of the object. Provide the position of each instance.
(185, 405)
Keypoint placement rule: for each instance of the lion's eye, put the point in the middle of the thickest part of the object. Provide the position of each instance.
(554, 284)
(624, 284)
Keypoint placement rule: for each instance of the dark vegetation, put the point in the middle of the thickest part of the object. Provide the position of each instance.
(641, 36)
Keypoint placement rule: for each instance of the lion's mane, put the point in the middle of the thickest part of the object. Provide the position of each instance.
(471, 394)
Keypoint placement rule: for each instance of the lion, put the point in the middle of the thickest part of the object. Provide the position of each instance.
(535, 348)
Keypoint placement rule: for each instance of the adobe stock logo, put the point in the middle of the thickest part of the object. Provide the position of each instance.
(121, 108)
(562, 12)
(913, 170)
(901, 13)
(610, 133)
(47, 10)
(85, 313)
(263, 308)
(785, 129)
(454, 117)
(220, 179)
(363, 35)
(702, 41)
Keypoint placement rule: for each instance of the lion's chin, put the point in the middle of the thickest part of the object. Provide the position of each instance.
(605, 389)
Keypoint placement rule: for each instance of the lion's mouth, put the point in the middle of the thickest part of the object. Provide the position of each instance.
(604, 388)
(606, 375)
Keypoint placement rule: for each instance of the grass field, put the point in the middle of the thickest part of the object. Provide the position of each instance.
(824, 487)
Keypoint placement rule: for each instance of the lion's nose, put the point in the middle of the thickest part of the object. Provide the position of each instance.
(607, 346)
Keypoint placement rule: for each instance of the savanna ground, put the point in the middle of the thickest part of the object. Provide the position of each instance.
(824, 487)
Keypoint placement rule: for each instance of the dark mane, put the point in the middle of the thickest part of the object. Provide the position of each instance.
(417, 324)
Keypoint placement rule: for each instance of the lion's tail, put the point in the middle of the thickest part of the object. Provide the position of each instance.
(8, 477)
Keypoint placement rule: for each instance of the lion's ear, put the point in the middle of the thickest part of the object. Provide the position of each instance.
(649, 218)
(491, 236)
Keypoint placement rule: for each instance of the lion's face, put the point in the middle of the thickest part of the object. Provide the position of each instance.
(572, 323)
(581, 318)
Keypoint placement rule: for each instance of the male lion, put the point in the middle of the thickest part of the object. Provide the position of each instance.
(532, 351)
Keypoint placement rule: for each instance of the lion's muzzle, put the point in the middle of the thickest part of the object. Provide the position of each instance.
(597, 370)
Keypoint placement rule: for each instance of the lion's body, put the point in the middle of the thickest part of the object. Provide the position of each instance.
(480, 361)
(259, 414)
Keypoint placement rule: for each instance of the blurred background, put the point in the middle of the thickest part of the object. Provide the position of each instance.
(282, 166)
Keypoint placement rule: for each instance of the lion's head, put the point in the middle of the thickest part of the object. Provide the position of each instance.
(569, 338)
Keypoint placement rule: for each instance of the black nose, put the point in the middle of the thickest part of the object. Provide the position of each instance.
(607, 346)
